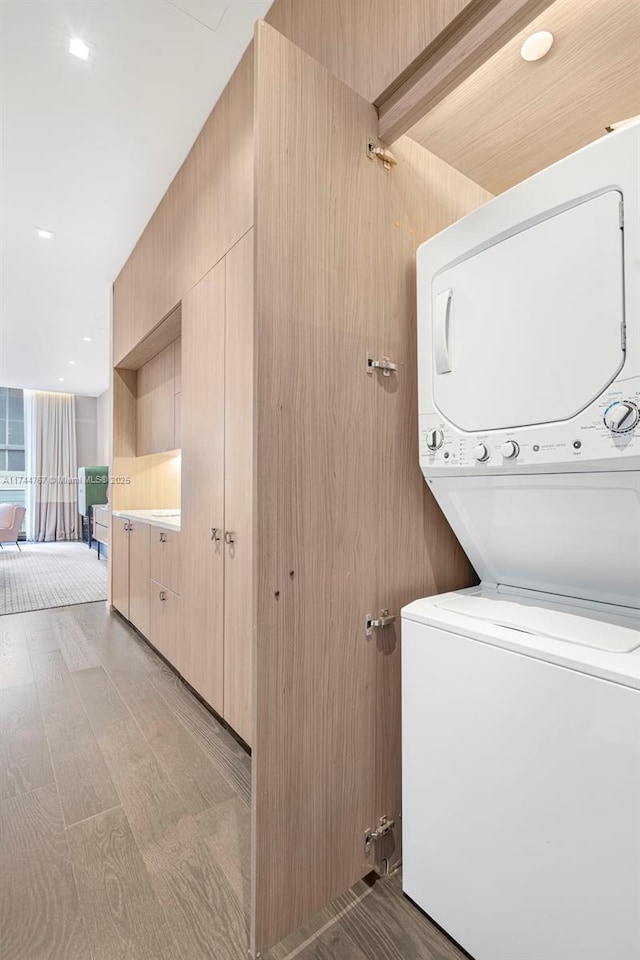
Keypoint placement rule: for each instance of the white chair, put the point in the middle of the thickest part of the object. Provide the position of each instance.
(11, 517)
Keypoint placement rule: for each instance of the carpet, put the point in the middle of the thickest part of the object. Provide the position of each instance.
(49, 575)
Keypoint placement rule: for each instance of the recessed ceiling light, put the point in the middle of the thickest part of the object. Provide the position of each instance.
(87, 339)
(72, 362)
(78, 48)
(536, 46)
(61, 379)
(45, 234)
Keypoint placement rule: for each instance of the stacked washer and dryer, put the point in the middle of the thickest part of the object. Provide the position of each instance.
(521, 697)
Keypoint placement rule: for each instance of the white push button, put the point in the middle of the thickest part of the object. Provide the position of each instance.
(434, 439)
(480, 452)
(510, 449)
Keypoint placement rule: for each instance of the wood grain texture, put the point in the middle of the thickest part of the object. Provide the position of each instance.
(155, 430)
(166, 332)
(511, 118)
(227, 829)
(83, 782)
(24, 754)
(345, 523)
(166, 628)
(239, 489)
(203, 312)
(139, 578)
(40, 913)
(151, 482)
(165, 562)
(15, 663)
(125, 415)
(187, 236)
(365, 43)
(124, 918)
(484, 29)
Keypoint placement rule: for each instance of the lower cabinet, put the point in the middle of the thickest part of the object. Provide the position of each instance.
(139, 575)
(165, 631)
(119, 551)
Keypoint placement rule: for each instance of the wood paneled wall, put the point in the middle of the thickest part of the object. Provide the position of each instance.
(345, 522)
(207, 208)
(365, 43)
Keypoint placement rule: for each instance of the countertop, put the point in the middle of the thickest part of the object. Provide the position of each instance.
(167, 519)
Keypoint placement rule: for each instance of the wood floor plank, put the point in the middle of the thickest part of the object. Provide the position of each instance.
(123, 916)
(334, 943)
(40, 914)
(15, 662)
(77, 649)
(226, 830)
(216, 741)
(100, 698)
(204, 913)
(195, 777)
(24, 754)
(84, 784)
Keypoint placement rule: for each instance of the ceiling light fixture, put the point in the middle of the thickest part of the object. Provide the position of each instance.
(45, 234)
(78, 48)
(536, 46)
(72, 362)
(61, 379)
(87, 339)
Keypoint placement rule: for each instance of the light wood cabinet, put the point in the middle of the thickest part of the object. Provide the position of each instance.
(139, 575)
(119, 556)
(166, 626)
(202, 518)
(155, 407)
(165, 558)
(238, 488)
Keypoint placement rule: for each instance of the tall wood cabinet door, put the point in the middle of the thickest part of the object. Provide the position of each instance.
(239, 608)
(318, 282)
(139, 575)
(119, 554)
(202, 521)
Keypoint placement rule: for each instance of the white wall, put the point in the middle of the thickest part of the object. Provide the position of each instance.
(104, 428)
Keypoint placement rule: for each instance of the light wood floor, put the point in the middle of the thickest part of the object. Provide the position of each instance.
(125, 820)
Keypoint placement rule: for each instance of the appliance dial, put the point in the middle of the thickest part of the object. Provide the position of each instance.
(480, 452)
(434, 439)
(621, 416)
(510, 449)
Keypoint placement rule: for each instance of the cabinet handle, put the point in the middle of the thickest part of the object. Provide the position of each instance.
(163, 538)
(214, 534)
(162, 595)
(230, 537)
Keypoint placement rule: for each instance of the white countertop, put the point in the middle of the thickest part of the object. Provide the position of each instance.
(167, 519)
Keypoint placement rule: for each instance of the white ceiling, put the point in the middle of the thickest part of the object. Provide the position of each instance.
(87, 151)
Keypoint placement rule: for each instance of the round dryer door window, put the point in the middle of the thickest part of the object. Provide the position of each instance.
(530, 329)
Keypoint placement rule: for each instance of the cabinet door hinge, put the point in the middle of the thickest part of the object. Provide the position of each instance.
(384, 620)
(381, 153)
(372, 836)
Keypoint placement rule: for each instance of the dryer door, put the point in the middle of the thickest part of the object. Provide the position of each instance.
(530, 329)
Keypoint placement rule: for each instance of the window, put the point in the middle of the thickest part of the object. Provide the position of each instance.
(12, 446)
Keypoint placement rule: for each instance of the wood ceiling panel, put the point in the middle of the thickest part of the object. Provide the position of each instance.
(511, 118)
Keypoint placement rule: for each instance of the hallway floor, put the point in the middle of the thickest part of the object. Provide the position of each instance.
(125, 814)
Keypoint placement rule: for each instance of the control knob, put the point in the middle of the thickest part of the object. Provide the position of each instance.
(621, 416)
(434, 439)
(510, 449)
(480, 452)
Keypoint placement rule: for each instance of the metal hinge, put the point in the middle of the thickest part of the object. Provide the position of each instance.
(384, 620)
(621, 214)
(372, 836)
(383, 364)
(380, 153)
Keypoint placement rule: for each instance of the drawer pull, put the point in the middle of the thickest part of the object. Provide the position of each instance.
(230, 537)
(163, 538)
(162, 595)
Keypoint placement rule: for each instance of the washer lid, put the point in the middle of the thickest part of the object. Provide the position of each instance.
(530, 329)
(543, 622)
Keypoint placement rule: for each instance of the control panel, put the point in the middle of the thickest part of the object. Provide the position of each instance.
(608, 430)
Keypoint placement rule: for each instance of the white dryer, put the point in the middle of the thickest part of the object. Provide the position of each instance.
(521, 698)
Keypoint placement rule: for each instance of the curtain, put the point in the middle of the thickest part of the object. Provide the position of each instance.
(52, 466)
